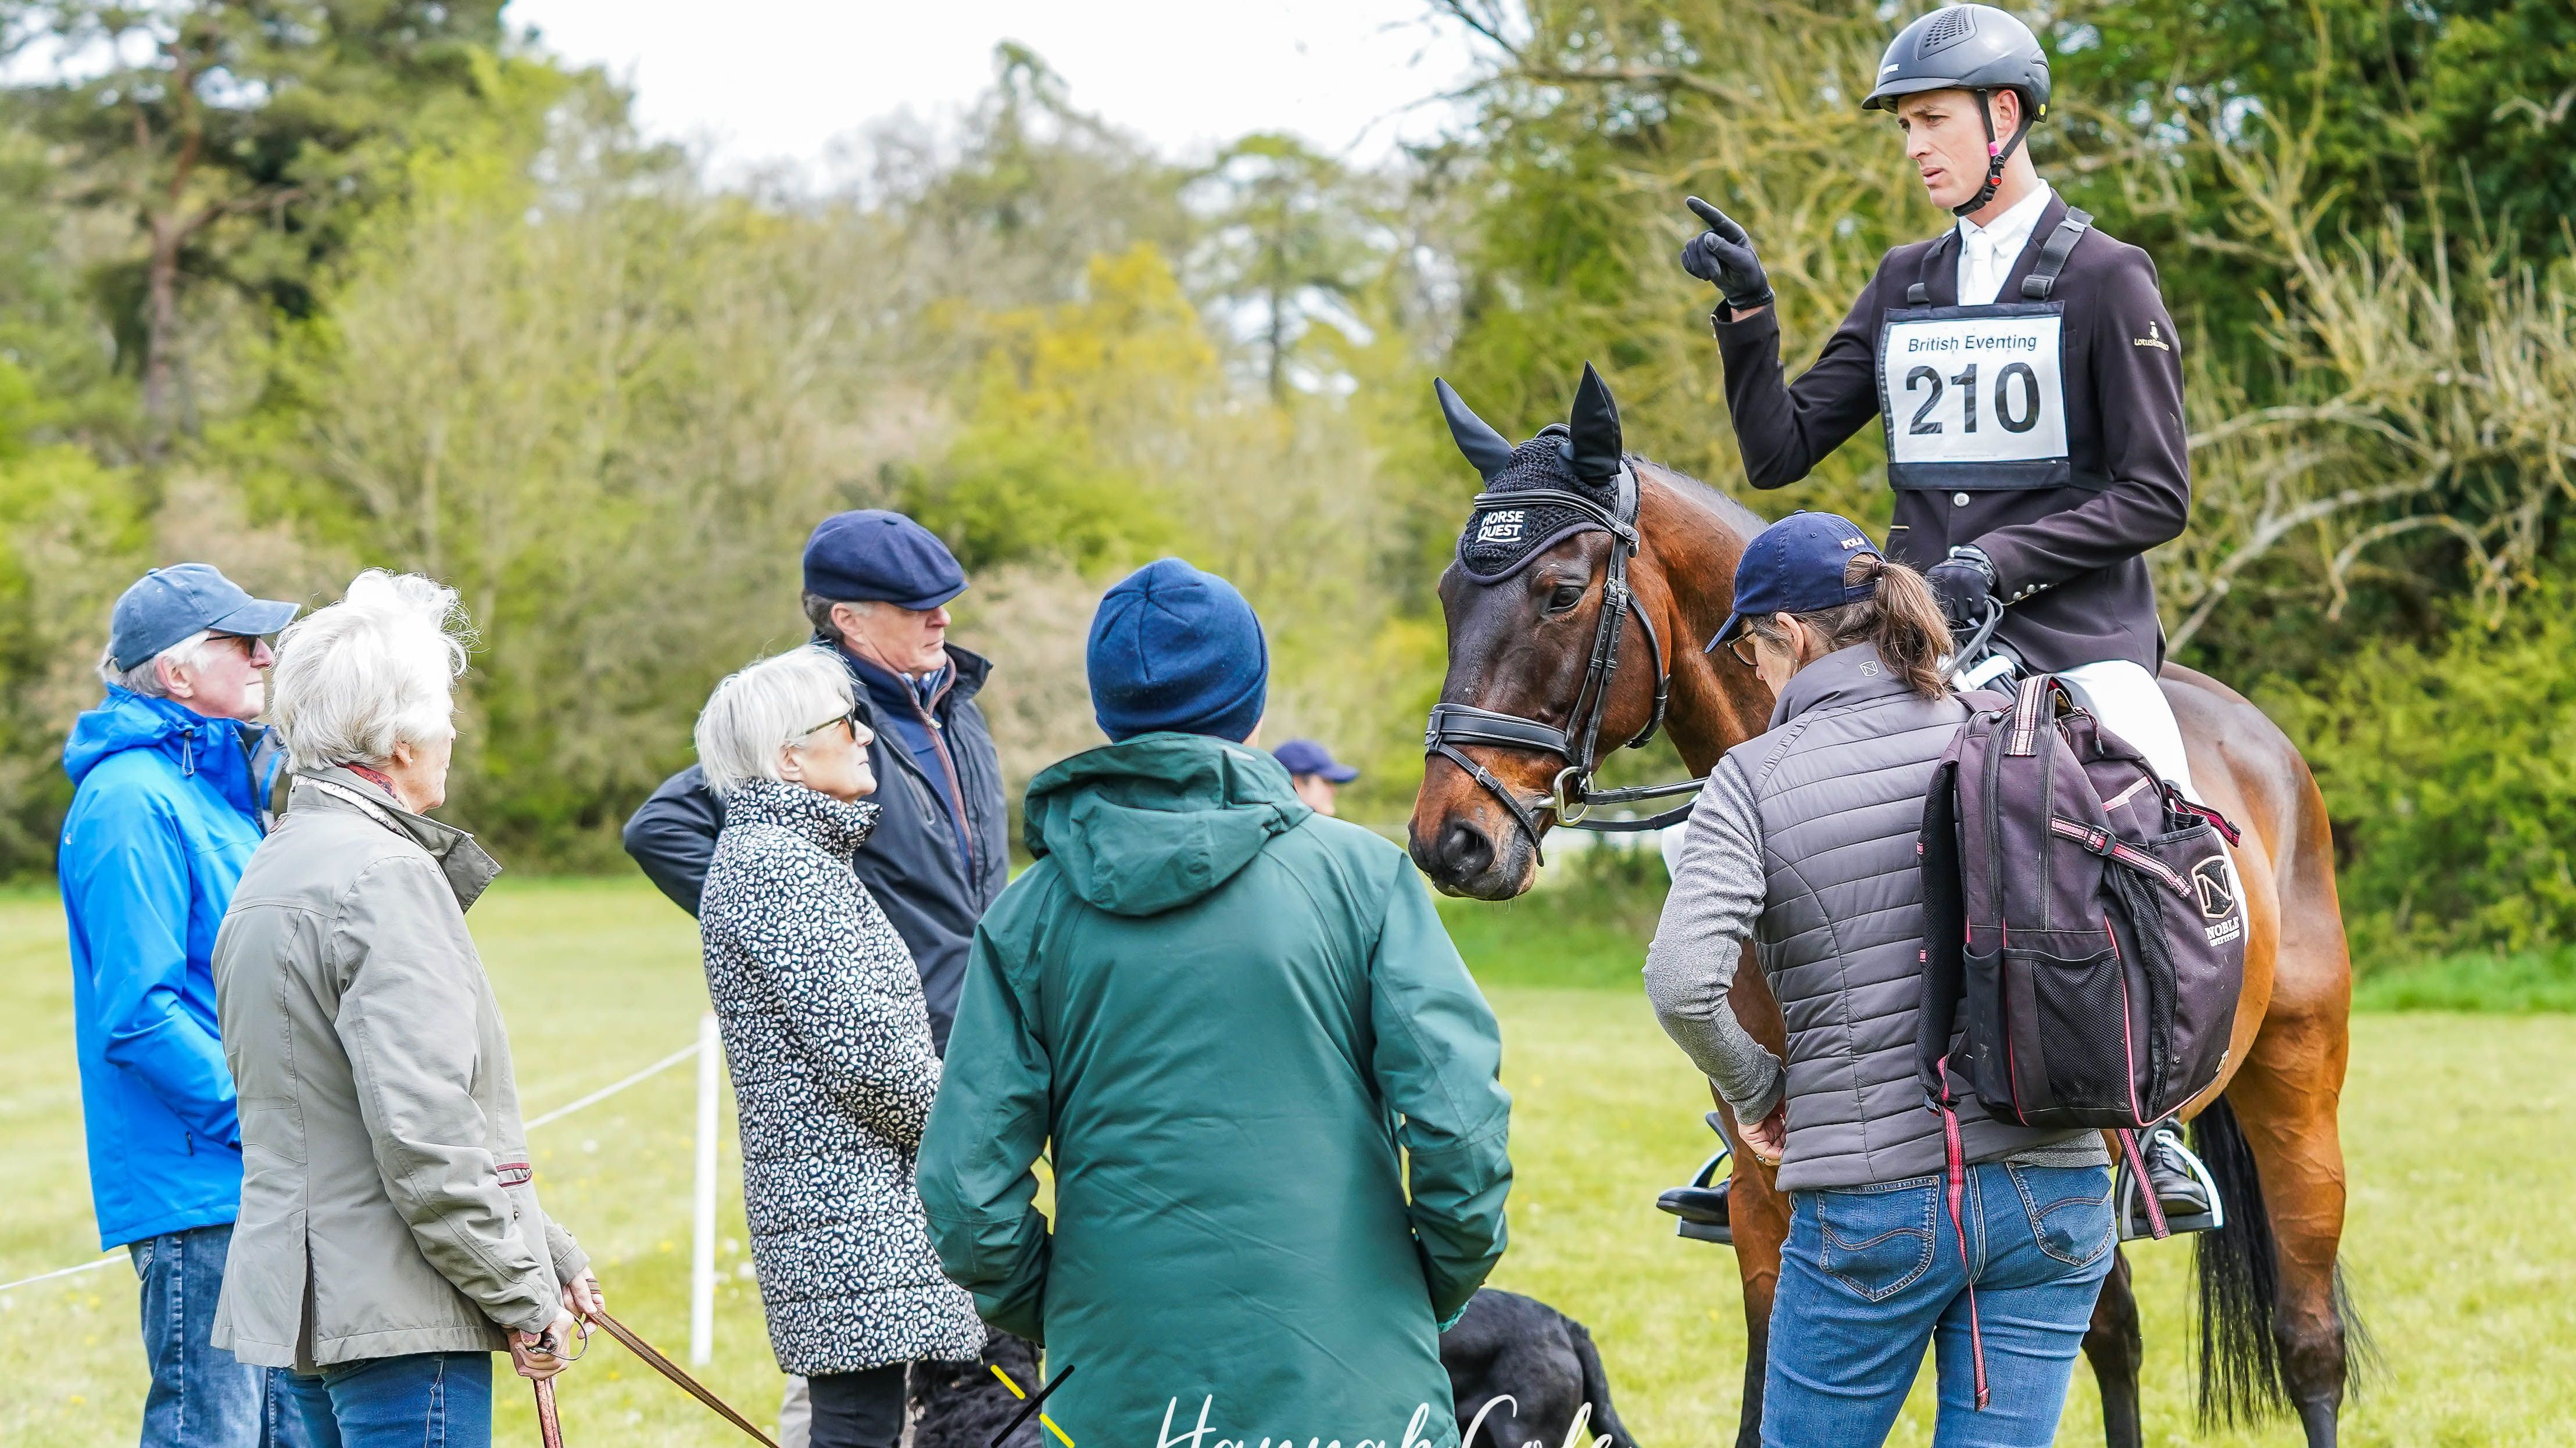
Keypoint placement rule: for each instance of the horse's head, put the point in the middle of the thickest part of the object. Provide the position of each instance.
(1541, 681)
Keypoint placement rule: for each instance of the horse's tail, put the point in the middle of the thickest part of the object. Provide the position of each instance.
(1596, 1389)
(2240, 1286)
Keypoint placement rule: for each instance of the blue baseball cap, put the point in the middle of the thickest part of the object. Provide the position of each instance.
(1305, 756)
(1796, 566)
(874, 556)
(168, 604)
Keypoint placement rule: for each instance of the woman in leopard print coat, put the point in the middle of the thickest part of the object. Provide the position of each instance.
(829, 1043)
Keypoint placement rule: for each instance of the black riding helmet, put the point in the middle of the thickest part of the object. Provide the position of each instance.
(1972, 48)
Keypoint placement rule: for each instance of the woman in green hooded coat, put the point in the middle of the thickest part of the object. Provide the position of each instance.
(1278, 1140)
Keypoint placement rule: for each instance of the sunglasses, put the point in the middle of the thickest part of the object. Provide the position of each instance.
(849, 721)
(1742, 647)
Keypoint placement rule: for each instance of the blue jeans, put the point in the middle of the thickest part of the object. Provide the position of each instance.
(200, 1396)
(1869, 1273)
(422, 1400)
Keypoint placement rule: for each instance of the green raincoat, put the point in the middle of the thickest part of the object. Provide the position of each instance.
(1245, 1033)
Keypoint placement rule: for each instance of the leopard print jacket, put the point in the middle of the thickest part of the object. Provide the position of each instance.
(833, 1076)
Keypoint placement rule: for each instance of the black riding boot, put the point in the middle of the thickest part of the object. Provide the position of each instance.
(2177, 1190)
(2180, 1188)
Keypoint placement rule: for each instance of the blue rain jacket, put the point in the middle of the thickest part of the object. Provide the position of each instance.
(164, 818)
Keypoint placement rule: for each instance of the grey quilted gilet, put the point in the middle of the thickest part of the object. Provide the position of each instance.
(1839, 783)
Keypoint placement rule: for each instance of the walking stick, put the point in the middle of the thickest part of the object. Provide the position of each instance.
(549, 1427)
(654, 1359)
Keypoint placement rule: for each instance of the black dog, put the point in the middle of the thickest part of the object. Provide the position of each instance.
(962, 1405)
(1505, 1346)
(1510, 1346)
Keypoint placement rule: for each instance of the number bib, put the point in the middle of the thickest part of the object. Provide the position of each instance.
(1974, 397)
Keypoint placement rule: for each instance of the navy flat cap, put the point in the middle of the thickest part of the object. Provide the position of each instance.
(874, 556)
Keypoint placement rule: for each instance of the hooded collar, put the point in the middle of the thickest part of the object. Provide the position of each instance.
(1157, 821)
(1855, 675)
(839, 826)
(211, 751)
(467, 865)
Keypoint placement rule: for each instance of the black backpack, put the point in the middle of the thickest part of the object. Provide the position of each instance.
(2085, 946)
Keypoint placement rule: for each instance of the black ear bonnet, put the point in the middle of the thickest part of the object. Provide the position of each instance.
(1582, 457)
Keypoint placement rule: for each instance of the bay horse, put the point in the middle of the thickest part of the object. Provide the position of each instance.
(1524, 653)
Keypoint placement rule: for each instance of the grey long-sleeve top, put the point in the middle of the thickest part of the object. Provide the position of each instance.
(1717, 896)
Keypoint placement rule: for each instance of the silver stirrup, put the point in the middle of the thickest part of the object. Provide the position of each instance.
(2132, 1217)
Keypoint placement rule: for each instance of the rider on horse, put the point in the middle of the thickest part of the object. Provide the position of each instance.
(2027, 376)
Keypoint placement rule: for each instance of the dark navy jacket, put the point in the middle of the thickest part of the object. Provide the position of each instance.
(911, 863)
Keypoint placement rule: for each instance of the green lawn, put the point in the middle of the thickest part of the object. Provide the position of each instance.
(2456, 1125)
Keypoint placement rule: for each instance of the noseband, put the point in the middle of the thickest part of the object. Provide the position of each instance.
(1571, 799)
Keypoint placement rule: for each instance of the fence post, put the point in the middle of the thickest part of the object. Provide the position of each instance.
(702, 1247)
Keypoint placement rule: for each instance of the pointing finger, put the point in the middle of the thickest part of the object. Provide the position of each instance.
(1718, 221)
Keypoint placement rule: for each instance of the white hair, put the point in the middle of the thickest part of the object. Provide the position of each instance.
(375, 669)
(146, 677)
(754, 715)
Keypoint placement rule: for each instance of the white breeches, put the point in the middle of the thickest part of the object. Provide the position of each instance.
(2129, 702)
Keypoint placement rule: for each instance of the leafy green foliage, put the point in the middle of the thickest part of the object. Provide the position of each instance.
(2446, 772)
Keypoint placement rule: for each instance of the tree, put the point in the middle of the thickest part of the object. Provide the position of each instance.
(1293, 240)
(231, 129)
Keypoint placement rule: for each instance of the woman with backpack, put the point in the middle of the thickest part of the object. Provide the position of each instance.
(1804, 843)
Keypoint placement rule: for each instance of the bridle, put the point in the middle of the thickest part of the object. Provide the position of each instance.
(1571, 798)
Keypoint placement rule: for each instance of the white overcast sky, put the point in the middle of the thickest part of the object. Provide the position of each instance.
(757, 81)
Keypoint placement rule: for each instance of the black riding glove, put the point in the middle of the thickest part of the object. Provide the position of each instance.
(1723, 257)
(1964, 582)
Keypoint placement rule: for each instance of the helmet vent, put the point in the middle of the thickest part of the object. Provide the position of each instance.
(1947, 29)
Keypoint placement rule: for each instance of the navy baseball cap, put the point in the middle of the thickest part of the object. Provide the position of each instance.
(168, 604)
(1305, 756)
(1796, 566)
(874, 556)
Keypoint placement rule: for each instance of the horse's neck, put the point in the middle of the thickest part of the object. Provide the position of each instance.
(1695, 541)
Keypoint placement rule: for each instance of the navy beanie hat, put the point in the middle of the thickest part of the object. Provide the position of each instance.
(1173, 649)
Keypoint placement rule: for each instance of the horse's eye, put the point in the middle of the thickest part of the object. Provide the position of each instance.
(1564, 596)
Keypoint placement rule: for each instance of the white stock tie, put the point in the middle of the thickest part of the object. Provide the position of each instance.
(1986, 265)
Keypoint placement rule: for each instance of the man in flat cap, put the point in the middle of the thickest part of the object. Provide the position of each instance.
(877, 586)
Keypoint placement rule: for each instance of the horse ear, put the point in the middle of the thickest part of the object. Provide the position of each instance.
(1484, 447)
(1595, 427)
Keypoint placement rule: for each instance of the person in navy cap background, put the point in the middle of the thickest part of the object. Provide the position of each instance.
(877, 586)
(169, 782)
(1313, 773)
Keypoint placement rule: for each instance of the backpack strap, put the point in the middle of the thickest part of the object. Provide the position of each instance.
(2053, 253)
(1945, 933)
(2030, 714)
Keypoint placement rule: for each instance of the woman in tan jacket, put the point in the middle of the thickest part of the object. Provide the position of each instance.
(390, 1239)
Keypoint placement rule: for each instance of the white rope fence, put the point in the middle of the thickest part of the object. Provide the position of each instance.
(702, 1269)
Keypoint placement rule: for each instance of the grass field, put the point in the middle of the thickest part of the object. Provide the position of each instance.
(2456, 1126)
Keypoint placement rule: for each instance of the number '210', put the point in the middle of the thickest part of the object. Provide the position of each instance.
(1966, 382)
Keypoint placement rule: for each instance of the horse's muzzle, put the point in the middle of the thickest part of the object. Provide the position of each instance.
(1461, 856)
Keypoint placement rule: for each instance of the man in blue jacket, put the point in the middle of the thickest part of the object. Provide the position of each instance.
(169, 787)
(877, 589)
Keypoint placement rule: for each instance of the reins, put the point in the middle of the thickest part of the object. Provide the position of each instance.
(1571, 799)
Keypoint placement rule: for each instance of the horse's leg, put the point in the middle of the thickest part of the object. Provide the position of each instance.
(1755, 1207)
(2286, 1099)
(1759, 1213)
(2117, 1350)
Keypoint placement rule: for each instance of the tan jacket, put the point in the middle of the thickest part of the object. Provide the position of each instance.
(388, 1205)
